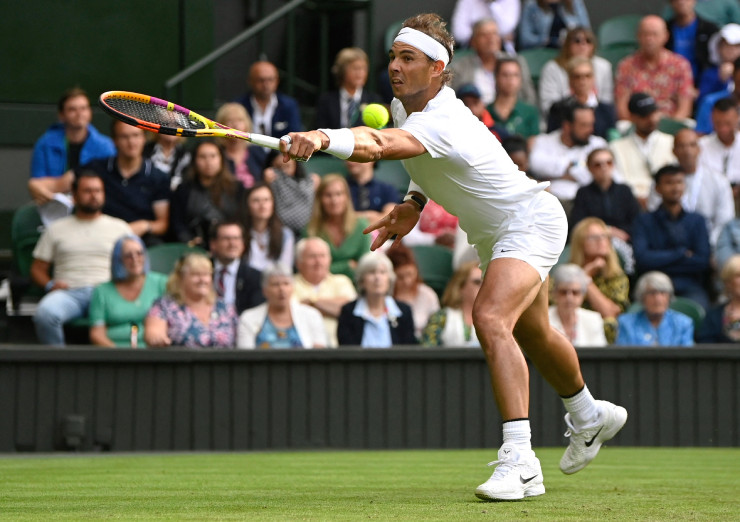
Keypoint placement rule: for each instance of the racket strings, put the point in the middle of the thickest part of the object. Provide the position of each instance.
(154, 114)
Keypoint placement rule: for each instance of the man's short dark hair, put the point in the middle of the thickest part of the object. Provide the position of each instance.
(215, 227)
(74, 92)
(515, 143)
(736, 65)
(668, 170)
(725, 105)
(569, 112)
(84, 173)
(503, 61)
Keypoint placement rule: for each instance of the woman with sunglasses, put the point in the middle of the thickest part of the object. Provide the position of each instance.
(582, 327)
(554, 83)
(118, 307)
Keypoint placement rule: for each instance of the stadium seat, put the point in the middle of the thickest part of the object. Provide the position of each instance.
(435, 265)
(620, 29)
(162, 258)
(390, 34)
(25, 230)
(393, 172)
(671, 126)
(614, 53)
(323, 164)
(536, 59)
(684, 305)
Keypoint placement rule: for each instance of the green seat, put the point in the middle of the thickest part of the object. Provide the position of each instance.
(681, 304)
(536, 59)
(435, 265)
(393, 173)
(614, 53)
(323, 164)
(390, 34)
(620, 29)
(25, 231)
(671, 126)
(162, 258)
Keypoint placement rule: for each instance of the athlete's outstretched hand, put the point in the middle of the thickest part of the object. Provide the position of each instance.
(395, 225)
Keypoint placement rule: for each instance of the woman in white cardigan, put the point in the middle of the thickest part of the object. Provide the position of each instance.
(280, 322)
(582, 327)
(554, 85)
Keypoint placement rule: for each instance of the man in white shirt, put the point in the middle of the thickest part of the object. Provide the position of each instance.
(315, 286)
(644, 150)
(707, 192)
(560, 156)
(79, 247)
(517, 227)
(720, 151)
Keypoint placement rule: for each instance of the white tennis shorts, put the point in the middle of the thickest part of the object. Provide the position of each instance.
(536, 235)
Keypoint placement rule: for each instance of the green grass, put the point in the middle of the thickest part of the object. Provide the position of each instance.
(622, 484)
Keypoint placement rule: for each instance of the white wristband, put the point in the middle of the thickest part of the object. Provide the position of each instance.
(341, 142)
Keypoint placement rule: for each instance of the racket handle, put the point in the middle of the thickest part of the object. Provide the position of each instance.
(265, 141)
(288, 140)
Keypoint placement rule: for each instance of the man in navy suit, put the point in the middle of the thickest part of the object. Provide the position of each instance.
(272, 113)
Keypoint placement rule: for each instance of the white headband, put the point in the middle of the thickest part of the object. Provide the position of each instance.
(425, 43)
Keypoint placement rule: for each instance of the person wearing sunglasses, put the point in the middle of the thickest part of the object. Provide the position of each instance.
(582, 327)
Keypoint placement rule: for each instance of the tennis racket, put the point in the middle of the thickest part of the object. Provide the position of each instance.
(156, 115)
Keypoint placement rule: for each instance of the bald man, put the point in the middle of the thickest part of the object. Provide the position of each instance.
(273, 113)
(655, 70)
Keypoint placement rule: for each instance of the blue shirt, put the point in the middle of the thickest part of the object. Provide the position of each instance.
(374, 195)
(635, 329)
(704, 112)
(684, 43)
(377, 330)
(50, 151)
(272, 337)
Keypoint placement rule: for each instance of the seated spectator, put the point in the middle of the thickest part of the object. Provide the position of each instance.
(724, 49)
(375, 320)
(452, 325)
(371, 198)
(689, 34)
(672, 240)
(545, 22)
(719, 12)
(704, 109)
(720, 151)
(708, 193)
(78, 247)
(655, 324)
(644, 150)
(518, 150)
(272, 113)
(560, 156)
(605, 199)
(582, 327)
(244, 160)
(554, 84)
(237, 283)
(410, 288)
(722, 322)
(334, 220)
(343, 107)
(655, 70)
(608, 292)
(436, 226)
(581, 78)
(471, 98)
(72, 141)
(208, 195)
(468, 13)
(280, 322)
(135, 191)
(118, 307)
(190, 314)
(168, 154)
(267, 240)
(508, 110)
(294, 190)
(479, 66)
(315, 286)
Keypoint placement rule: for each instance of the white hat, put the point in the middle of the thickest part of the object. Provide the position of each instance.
(730, 33)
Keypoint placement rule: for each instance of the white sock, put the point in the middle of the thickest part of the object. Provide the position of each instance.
(518, 433)
(583, 410)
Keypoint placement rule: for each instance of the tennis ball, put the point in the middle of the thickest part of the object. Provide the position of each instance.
(375, 115)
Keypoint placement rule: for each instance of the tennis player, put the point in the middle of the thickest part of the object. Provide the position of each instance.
(518, 229)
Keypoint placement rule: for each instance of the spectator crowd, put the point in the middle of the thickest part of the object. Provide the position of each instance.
(642, 152)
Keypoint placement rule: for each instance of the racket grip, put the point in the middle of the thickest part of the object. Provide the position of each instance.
(288, 140)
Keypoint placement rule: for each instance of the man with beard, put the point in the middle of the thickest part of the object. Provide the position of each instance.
(79, 246)
(560, 156)
(644, 150)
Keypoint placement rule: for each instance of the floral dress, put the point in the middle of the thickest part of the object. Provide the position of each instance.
(185, 329)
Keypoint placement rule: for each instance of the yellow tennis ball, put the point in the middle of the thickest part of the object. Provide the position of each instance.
(375, 115)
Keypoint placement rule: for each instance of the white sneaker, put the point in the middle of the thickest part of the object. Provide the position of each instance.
(517, 475)
(585, 444)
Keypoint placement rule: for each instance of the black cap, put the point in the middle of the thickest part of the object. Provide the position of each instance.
(468, 90)
(642, 104)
